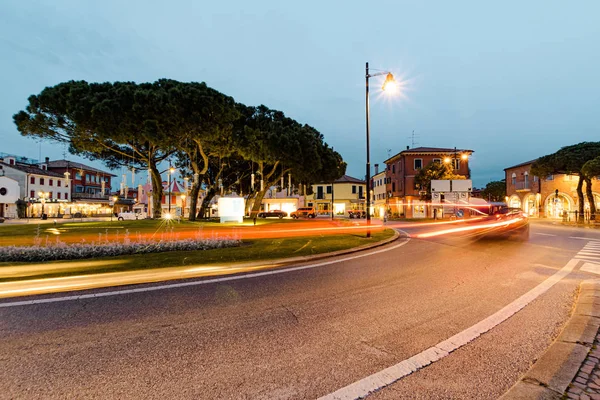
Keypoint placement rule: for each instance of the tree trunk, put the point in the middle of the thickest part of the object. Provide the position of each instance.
(260, 195)
(580, 217)
(590, 197)
(210, 193)
(157, 191)
(194, 191)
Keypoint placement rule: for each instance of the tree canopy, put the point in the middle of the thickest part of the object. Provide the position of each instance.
(494, 191)
(213, 138)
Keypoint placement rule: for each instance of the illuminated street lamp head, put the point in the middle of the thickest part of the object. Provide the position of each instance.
(171, 170)
(447, 160)
(464, 156)
(390, 85)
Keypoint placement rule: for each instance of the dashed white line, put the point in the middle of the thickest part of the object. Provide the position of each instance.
(544, 234)
(583, 238)
(381, 379)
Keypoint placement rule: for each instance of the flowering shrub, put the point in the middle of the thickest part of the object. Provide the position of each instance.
(61, 251)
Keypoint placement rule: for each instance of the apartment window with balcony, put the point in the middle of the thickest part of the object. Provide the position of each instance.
(418, 163)
(32, 180)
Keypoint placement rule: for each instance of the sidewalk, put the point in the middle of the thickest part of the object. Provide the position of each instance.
(36, 221)
(570, 368)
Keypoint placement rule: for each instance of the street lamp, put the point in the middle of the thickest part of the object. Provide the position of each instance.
(171, 171)
(390, 86)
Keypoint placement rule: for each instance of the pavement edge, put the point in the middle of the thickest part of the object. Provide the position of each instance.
(553, 372)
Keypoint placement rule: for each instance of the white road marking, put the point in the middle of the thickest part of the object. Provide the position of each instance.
(544, 234)
(591, 267)
(197, 283)
(583, 238)
(583, 257)
(379, 380)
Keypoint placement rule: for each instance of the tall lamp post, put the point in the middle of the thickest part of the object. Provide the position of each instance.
(171, 170)
(390, 85)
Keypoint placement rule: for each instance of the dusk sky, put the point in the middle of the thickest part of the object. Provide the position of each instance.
(510, 80)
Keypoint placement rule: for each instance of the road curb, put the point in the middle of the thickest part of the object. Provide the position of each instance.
(552, 374)
(284, 261)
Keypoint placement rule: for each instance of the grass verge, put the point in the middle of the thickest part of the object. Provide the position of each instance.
(250, 251)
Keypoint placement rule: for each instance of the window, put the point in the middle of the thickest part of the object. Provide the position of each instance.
(360, 192)
(50, 182)
(329, 189)
(32, 194)
(393, 186)
(59, 183)
(456, 163)
(394, 169)
(41, 181)
(78, 189)
(568, 178)
(49, 195)
(418, 163)
(513, 180)
(32, 180)
(526, 180)
(58, 195)
(550, 177)
(535, 178)
(77, 175)
(353, 189)
(66, 196)
(437, 160)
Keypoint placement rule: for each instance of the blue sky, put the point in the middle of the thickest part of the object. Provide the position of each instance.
(510, 80)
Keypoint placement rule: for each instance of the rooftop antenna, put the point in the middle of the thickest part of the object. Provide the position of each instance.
(412, 137)
(389, 152)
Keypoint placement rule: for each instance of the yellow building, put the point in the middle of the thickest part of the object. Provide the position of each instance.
(346, 193)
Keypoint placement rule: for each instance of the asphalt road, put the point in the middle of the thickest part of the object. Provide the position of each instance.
(305, 333)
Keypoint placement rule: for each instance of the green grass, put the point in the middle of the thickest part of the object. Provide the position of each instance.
(250, 251)
(68, 232)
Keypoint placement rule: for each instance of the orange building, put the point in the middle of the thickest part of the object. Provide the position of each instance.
(548, 197)
(404, 198)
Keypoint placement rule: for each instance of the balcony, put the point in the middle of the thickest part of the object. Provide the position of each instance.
(524, 186)
(90, 196)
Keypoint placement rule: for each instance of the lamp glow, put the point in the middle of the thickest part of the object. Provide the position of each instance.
(447, 160)
(390, 85)
(464, 157)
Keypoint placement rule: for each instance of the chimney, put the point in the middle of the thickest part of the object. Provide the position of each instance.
(407, 147)
(376, 169)
(47, 160)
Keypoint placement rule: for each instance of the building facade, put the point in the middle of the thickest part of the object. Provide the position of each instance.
(549, 197)
(45, 191)
(404, 197)
(379, 198)
(89, 187)
(344, 194)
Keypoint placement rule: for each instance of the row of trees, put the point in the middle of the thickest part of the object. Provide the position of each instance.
(213, 139)
(582, 159)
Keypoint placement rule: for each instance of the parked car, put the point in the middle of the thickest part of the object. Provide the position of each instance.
(273, 213)
(304, 212)
(357, 214)
(129, 215)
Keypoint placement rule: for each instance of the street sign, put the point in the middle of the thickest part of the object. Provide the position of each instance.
(460, 213)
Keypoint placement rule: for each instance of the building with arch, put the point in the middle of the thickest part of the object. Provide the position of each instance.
(549, 197)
